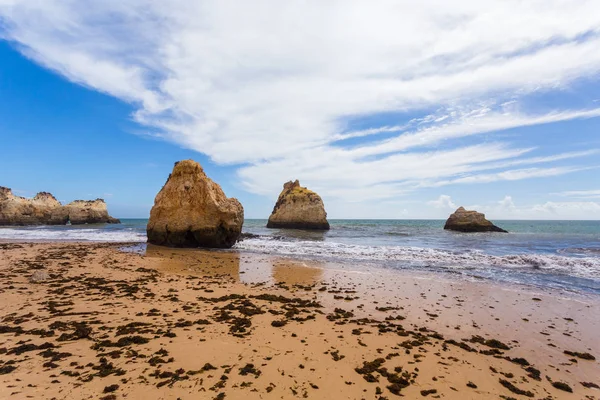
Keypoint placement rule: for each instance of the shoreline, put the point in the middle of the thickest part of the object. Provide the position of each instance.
(419, 320)
(343, 264)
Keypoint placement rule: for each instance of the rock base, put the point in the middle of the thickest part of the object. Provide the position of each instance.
(299, 225)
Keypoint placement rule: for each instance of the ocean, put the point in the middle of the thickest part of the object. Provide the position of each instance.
(548, 254)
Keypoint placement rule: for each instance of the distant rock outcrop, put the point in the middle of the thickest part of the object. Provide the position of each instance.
(298, 208)
(192, 211)
(89, 212)
(44, 209)
(470, 221)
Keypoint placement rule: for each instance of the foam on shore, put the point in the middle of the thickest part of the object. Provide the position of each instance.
(581, 267)
(100, 234)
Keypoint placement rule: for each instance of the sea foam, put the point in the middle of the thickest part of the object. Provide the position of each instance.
(82, 234)
(399, 256)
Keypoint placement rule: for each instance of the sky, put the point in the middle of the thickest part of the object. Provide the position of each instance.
(387, 109)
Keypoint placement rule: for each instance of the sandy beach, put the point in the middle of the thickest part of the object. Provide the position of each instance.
(91, 321)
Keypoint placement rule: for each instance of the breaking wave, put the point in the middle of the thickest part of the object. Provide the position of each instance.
(99, 234)
(399, 256)
(564, 254)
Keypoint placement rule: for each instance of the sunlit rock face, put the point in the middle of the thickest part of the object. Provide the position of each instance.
(192, 211)
(44, 209)
(89, 212)
(298, 208)
(470, 221)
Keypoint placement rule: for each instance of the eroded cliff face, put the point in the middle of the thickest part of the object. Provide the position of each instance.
(470, 221)
(192, 211)
(89, 212)
(298, 208)
(44, 209)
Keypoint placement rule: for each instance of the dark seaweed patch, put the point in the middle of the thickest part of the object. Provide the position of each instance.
(562, 386)
(249, 369)
(583, 356)
(515, 389)
(7, 369)
(122, 342)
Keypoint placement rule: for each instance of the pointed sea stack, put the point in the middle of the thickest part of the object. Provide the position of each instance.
(470, 221)
(192, 211)
(298, 208)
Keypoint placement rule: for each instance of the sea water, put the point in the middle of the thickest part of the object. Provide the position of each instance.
(557, 254)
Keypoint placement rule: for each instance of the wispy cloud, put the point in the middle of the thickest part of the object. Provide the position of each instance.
(569, 209)
(508, 209)
(510, 175)
(467, 124)
(582, 194)
(444, 201)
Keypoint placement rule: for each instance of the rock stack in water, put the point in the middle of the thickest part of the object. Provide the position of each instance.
(298, 208)
(470, 221)
(192, 211)
(44, 209)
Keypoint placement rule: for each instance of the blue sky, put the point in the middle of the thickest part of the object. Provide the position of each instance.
(495, 106)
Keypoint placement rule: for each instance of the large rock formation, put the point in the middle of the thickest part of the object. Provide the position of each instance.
(89, 212)
(192, 211)
(44, 209)
(298, 208)
(470, 221)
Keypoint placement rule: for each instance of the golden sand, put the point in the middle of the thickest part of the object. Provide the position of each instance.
(191, 324)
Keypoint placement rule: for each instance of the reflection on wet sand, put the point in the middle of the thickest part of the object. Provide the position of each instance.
(246, 268)
(195, 261)
(291, 272)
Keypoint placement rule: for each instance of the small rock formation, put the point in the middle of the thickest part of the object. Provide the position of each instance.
(44, 209)
(89, 212)
(192, 211)
(298, 208)
(470, 221)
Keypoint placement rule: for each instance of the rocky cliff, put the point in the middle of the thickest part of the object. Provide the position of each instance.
(470, 221)
(44, 209)
(192, 211)
(298, 208)
(89, 212)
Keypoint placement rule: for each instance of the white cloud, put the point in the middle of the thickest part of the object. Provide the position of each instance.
(467, 123)
(444, 201)
(571, 209)
(507, 204)
(338, 173)
(509, 175)
(271, 84)
(565, 210)
(583, 194)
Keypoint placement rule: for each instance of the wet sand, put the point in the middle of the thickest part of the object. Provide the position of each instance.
(167, 324)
